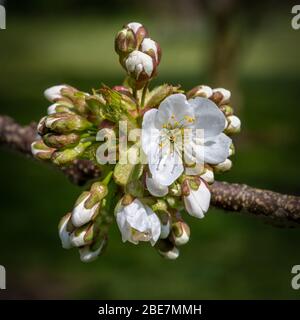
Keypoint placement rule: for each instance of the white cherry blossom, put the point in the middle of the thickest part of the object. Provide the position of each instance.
(137, 222)
(162, 136)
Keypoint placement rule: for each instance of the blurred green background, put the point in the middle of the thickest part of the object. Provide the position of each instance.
(251, 50)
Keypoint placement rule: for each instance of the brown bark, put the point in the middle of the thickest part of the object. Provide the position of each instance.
(228, 196)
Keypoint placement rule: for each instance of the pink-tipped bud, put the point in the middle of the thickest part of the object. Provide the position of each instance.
(200, 91)
(125, 41)
(139, 30)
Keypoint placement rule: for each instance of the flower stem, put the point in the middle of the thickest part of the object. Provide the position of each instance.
(107, 178)
(144, 94)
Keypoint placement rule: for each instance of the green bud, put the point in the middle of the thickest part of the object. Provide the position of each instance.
(158, 94)
(41, 151)
(160, 205)
(69, 155)
(125, 41)
(175, 189)
(139, 30)
(61, 141)
(227, 110)
(125, 173)
(66, 122)
(97, 192)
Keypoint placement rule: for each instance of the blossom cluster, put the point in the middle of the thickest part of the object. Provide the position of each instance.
(185, 138)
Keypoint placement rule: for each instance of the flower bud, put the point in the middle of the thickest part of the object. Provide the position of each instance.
(41, 127)
(66, 122)
(41, 151)
(69, 155)
(60, 107)
(231, 150)
(158, 94)
(200, 91)
(234, 125)
(180, 232)
(196, 200)
(61, 141)
(208, 175)
(82, 214)
(220, 96)
(65, 227)
(88, 204)
(91, 253)
(223, 166)
(139, 30)
(227, 110)
(140, 66)
(167, 249)
(125, 41)
(54, 93)
(151, 48)
(83, 236)
(122, 90)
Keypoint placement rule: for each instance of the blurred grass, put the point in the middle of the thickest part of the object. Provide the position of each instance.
(229, 256)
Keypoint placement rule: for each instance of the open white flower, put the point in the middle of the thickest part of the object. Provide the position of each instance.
(137, 222)
(197, 201)
(162, 131)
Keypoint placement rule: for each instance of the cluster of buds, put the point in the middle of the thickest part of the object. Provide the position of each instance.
(148, 199)
(138, 54)
(65, 130)
(86, 226)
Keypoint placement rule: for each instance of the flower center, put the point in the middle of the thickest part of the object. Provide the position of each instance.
(140, 236)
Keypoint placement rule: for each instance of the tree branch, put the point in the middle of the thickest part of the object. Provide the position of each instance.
(231, 197)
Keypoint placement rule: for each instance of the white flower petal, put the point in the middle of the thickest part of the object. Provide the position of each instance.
(155, 188)
(138, 223)
(171, 254)
(137, 62)
(148, 44)
(150, 133)
(208, 116)
(54, 92)
(234, 124)
(52, 109)
(134, 26)
(63, 233)
(165, 165)
(81, 215)
(217, 149)
(155, 225)
(87, 255)
(175, 108)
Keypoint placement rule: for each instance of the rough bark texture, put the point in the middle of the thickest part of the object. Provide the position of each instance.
(228, 196)
(240, 197)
